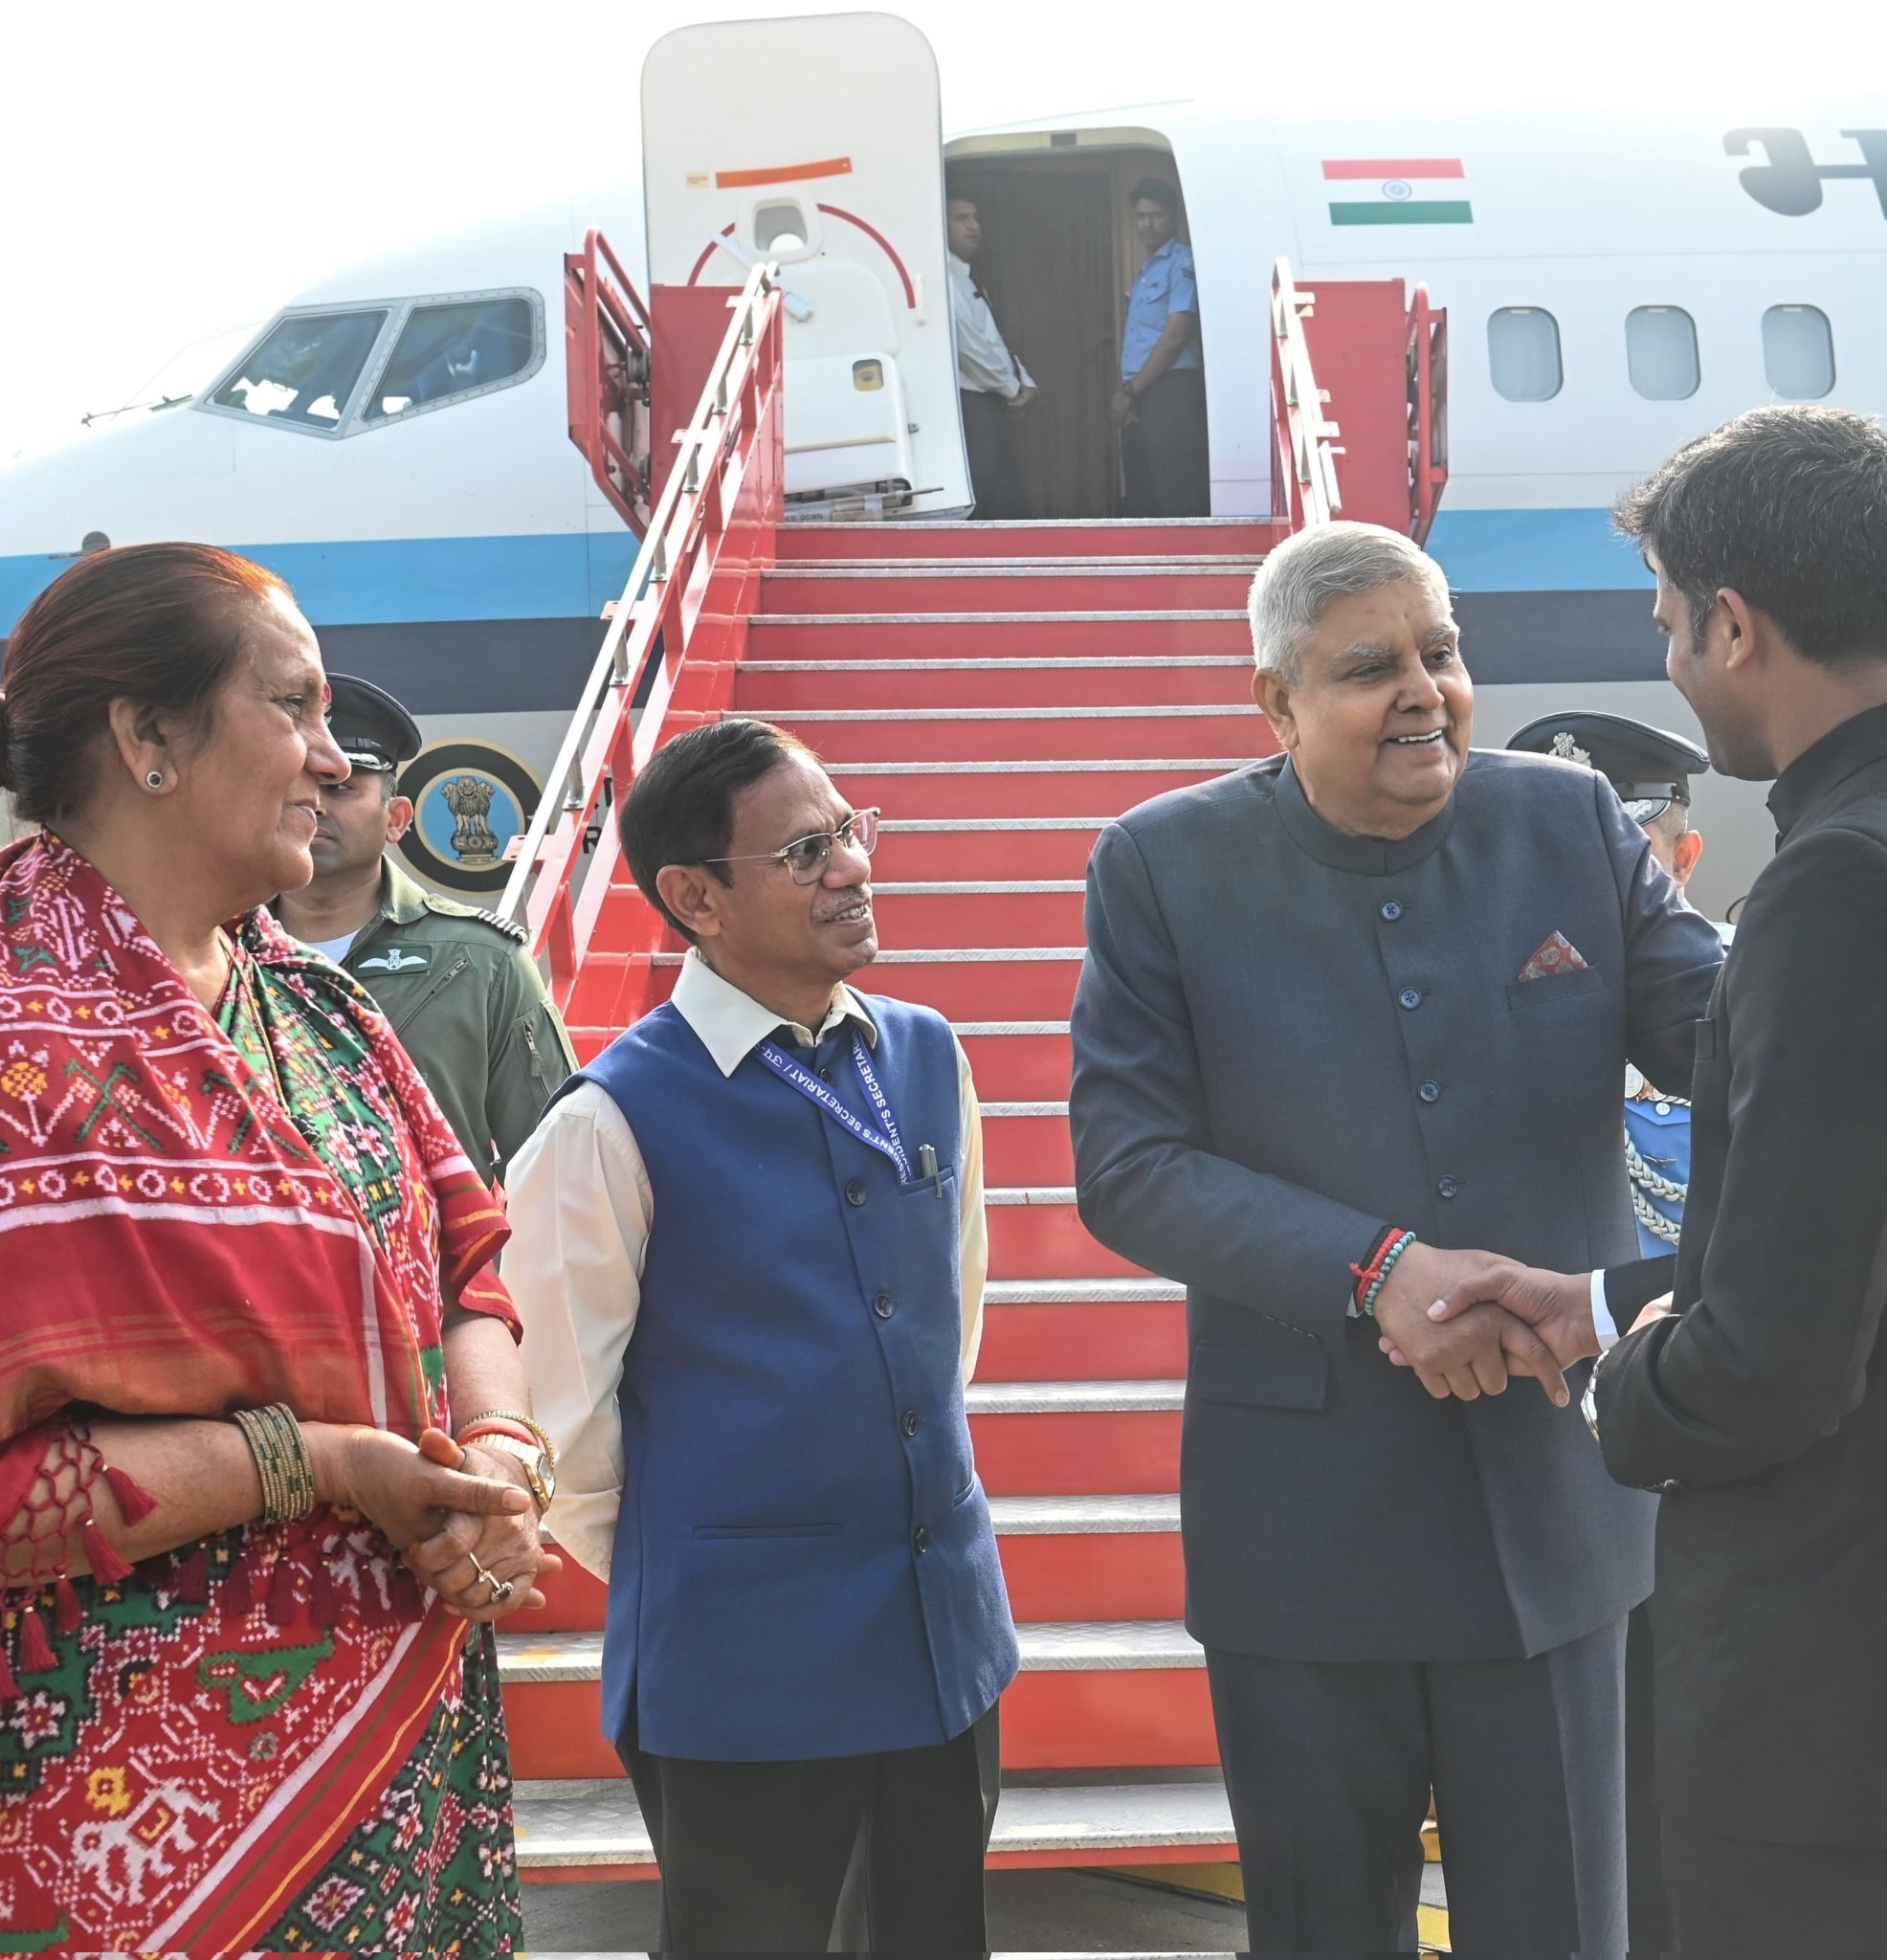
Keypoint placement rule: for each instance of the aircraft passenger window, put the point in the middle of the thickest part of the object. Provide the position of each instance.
(305, 370)
(1660, 352)
(1523, 353)
(457, 350)
(779, 227)
(1798, 352)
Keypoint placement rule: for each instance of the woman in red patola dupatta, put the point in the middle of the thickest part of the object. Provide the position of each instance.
(249, 1293)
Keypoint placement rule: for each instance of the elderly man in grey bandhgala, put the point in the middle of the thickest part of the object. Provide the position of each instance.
(1353, 1019)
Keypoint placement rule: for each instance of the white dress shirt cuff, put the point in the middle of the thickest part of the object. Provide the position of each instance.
(1603, 1324)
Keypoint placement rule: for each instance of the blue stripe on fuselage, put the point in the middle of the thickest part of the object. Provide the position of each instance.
(1571, 550)
(402, 581)
(567, 575)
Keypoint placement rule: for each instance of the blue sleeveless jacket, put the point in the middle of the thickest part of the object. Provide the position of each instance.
(803, 1561)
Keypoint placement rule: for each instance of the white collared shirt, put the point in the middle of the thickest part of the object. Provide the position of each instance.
(581, 1214)
(985, 364)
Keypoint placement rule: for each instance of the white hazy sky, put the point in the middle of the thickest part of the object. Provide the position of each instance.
(168, 170)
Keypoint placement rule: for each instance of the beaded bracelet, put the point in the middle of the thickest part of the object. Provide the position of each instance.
(283, 1462)
(1372, 1277)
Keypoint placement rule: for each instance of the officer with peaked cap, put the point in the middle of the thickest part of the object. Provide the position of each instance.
(1650, 769)
(458, 985)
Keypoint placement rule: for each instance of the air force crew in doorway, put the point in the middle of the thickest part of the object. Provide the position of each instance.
(752, 1301)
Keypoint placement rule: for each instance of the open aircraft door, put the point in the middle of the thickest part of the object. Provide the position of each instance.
(816, 143)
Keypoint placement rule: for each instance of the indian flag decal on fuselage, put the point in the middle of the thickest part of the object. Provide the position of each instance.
(1397, 190)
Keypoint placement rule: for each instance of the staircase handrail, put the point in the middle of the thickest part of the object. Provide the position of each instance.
(1427, 412)
(607, 339)
(606, 743)
(1304, 487)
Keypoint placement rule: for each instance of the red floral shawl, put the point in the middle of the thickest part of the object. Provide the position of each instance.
(173, 1242)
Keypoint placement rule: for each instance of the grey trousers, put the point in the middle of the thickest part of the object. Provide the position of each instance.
(1330, 1767)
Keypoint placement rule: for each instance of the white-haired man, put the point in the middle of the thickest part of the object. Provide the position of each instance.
(1352, 1023)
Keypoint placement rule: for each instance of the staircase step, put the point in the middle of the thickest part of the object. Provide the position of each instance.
(1066, 788)
(1065, 1558)
(965, 734)
(1042, 1438)
(1246, 536)
(1047, 586)
(1133, 1329)
(946, 912)
(1035, 1232)
(1026, 1143)
(912, 848)
(994, 635)
(595, 1826)
(1019, 1061)
(771, 688)
(1089, 1694)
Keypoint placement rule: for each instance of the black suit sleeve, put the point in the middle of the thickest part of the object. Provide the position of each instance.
(1148, 1182)
(1632, 1288)
(1773, 1353)
(1673, 955)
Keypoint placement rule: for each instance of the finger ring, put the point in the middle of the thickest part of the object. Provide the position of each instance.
(502, 1590)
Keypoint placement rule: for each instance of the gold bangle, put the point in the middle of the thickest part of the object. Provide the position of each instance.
(536, 1428)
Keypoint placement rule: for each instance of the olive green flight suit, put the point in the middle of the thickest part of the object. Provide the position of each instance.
(465, 997)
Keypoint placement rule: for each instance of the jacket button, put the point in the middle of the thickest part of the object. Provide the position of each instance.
(1409, 997)
(1448, 1187)
(825, 1075)
(1391, 910)
(1430, 1092)
(920, 1538)
(854, 1191)
(885, 1306)
(913, 1422)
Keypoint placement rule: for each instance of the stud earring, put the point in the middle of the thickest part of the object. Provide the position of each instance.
(155, 780)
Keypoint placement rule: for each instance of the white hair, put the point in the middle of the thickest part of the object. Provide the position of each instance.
(1298, 582)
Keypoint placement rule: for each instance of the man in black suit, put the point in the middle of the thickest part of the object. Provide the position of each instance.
(1756, 1403)
(1353, 1019)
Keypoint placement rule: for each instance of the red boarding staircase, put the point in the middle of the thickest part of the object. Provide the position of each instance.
(1002, 691)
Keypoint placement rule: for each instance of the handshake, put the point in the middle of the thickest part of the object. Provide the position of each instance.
(1466, 1322)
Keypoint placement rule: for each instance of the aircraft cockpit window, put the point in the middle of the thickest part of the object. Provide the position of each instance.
(1798, 352)
(1660, 352)
(458, 349)
(306, 369)
(1523, 353)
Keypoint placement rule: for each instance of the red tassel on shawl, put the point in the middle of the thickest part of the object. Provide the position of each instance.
(36, 1656)
(9, 1688)
(192, 1577)
(239, 1587)
(66, 1613)
(281, 1591)
(105, 1563)
(135, 1504)
(403, 1590)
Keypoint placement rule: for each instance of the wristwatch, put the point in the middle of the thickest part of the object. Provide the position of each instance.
(1589, 1404)
(540, 1471)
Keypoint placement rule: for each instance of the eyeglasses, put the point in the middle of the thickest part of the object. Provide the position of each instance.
(805, 858)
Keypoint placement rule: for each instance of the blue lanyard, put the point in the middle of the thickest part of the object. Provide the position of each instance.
(884, 1139)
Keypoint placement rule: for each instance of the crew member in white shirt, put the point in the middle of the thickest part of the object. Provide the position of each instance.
(995, 387)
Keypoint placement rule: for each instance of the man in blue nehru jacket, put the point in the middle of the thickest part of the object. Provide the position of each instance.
(754, 1251)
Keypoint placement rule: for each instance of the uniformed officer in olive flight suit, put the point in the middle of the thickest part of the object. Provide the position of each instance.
(461, 990)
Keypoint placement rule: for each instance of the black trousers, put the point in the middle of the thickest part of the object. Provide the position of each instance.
(1731, 1897)
(756, 1857)
(1167, 464)
(995, 476)
(1647, 1908)
(1330, 1766)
